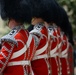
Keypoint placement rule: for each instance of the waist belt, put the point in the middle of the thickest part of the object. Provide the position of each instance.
(64, 56)
(15, 63)
(40, 57)
(54, 55)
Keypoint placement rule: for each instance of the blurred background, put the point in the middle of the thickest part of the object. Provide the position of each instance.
(70, 8)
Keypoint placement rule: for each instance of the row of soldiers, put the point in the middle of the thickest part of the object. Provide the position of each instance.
(46, 48)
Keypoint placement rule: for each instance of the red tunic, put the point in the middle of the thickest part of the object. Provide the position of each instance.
(64, 55)
(39, 63)
(16, 52)
(53, 50)
(70, 59)
(58, 31)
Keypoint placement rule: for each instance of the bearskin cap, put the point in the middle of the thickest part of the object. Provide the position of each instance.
(45, 9)
(18, 10)
(52, 12)
(36, 6)
(65, 25)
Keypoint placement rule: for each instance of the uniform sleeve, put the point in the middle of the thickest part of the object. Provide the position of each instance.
(5, 54)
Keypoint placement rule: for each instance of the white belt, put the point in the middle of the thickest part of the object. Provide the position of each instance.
(41, 50)
(54, 55)
(23, 50)
(53, 51)
(64, 56)
(40, 57)
(15, 63)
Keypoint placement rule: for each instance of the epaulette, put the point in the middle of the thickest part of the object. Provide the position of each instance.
(37, 29)
(10, 37)
(39, 26)
(51, 30)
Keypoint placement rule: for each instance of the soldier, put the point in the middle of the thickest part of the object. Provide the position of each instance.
(52, 18)
(67, 38)
(18, 46)
(39, 63)
(53, 59)
(69, 35)
(66, 28)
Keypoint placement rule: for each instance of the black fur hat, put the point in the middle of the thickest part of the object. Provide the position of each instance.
(37, 7)
(16, 9)
(45, 9)
(66, 26)
(52, 13)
